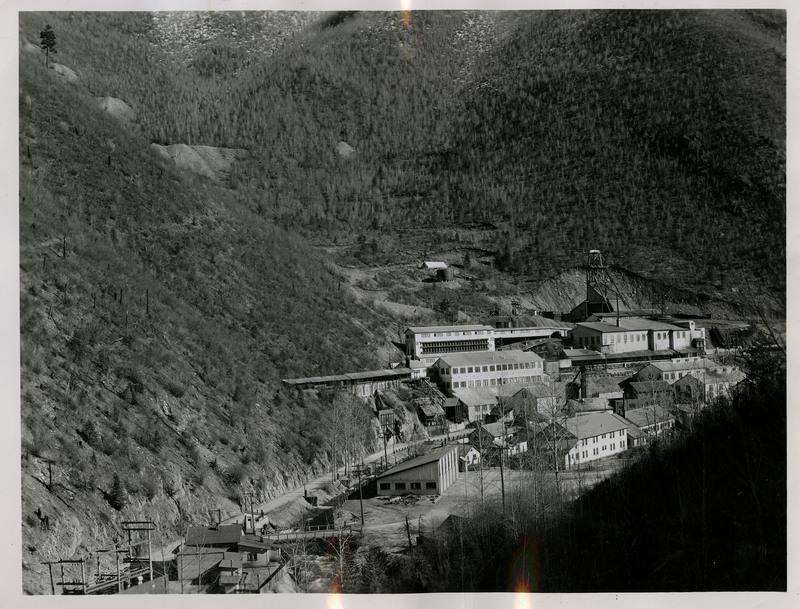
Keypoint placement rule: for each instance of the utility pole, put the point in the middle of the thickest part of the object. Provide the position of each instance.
(360, 494)
(385, 441)
(503, 450)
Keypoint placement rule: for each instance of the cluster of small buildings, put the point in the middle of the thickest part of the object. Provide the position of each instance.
(621, 378)
(224, 559)
(620, 381)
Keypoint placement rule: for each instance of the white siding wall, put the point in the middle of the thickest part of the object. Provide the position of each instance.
(488, 375)
(442, 472)
(597, 447)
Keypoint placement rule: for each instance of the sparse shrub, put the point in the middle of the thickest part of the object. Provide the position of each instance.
(108, 444)
(37, 442)
(81, 479)
(88, 432)
(175, 387)
(117, 497)
(201, 473)
(235, 474)
(134, 377)
(172, 482)
(151, 485)
(151, 435)
(82, 340)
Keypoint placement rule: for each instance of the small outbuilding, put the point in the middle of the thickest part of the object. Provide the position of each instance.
(429, 474)
(222, 536)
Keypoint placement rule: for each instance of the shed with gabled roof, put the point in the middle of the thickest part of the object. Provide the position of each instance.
(429, 474)
(224, 535)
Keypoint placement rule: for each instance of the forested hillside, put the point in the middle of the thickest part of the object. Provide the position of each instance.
(641, 123)
(160, 309)
(158, 315)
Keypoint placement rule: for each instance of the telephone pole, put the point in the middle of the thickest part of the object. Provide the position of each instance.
(360, 494)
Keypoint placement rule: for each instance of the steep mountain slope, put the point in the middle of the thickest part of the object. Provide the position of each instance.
(643, 124)
(158, 315)
(637, 132)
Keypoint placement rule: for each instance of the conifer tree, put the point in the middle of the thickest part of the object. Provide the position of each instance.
(48, 38)
(118, 497)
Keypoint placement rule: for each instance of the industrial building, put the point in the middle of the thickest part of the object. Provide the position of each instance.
(674, 370)
(425, 344)
(465, 370)
(429, 474)
(428, 343)
(362, 384)
(630, 334)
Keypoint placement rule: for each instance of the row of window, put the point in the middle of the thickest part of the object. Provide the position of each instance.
(596, 451)
(401, 486)
(491, 368)
(439, 334)
(674, 375)
(594, 439)
(623, 338)
(490, 382)
(456, 346)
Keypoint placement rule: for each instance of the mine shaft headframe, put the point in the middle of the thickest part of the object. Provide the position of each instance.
(596, 268)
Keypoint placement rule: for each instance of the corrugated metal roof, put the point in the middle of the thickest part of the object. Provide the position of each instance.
(637, 323)
(625, 313)
(690, 378)
(648, 415)
(432, 456)
(555, 389)
(642, 354)
(430, 410)
(670, 366)
(476, 396)
(499, 429)
(634, 432)
(599, 326)
(596, 385)
(593, 424)
(587, 404)
(438, 329)
(248, 542)
(352, 376)
(582, 353)
(225, 534)
(650, 386)
(434, 264)
(486, 358)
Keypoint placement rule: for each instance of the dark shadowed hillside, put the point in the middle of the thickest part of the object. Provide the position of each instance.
(702, 511)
